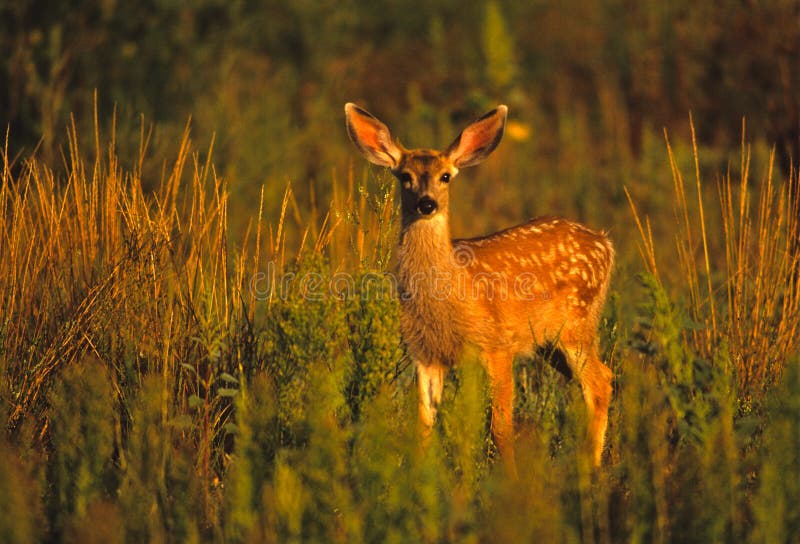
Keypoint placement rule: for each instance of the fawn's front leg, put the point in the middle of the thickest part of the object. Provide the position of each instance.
(430, 378)
(501, 375)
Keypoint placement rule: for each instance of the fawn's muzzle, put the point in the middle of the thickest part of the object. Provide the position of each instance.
(426, 205)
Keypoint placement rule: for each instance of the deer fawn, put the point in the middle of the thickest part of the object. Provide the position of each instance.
(542, 282)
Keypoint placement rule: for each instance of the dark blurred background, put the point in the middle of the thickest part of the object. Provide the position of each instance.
(590, 85)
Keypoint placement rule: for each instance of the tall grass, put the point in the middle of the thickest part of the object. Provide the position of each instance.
(745, 306)
(163, 379)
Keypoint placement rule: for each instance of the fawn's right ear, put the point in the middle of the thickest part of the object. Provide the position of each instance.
(372, 137)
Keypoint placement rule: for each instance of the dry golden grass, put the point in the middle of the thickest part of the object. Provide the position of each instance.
(91, 258)
(747, 305)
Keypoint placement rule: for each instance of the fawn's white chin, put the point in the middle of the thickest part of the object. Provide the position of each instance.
(434, 215)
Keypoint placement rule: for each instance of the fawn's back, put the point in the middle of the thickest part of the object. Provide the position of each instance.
(543, 281)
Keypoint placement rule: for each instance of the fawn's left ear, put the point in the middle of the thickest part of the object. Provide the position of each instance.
(479, 139)
(372, 137)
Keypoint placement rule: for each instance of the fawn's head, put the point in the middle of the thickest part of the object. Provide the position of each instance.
(424, 174)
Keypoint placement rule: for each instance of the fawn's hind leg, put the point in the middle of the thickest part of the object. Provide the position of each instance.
(595, 379)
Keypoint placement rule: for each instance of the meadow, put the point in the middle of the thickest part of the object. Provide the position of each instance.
(165, 378)
(199, 332)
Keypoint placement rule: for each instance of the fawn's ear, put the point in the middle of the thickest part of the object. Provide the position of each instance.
(372, 137)
(479, 139)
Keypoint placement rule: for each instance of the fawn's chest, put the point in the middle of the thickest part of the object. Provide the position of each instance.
(433, 319)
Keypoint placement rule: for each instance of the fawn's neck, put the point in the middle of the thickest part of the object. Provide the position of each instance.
(425, 247)
(433, 319)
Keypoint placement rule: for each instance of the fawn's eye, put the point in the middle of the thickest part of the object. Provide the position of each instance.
(445, 178)
(405, 179)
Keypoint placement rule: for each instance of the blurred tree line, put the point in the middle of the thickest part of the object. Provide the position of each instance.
(269, 78)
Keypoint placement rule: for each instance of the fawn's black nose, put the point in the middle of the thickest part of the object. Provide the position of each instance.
(426, 205)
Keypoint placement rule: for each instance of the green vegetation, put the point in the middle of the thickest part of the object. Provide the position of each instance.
(199, 342)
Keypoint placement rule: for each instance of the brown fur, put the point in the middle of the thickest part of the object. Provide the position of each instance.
(544, 281)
